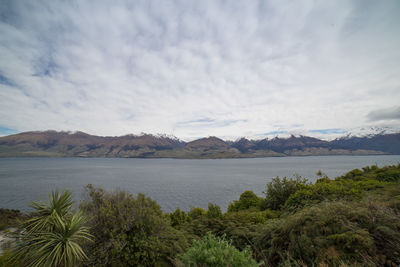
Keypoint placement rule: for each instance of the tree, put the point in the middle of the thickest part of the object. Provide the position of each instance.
(247, 200)
(179, 218)
(196, 213)
(53, 236)
(279, 190)
(129, 231)
(214, 211)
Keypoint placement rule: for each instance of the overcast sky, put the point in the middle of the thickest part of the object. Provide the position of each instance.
(199, 68)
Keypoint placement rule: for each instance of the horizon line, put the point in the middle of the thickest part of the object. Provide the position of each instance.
(280, 135)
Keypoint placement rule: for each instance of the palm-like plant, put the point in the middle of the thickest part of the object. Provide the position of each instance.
(52, 236)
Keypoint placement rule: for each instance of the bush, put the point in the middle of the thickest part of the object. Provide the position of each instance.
(279, 190)
(216, 252)
(390, 175)
(247, 200)
(214, 211)
(323, 190)
(129, 230)
(251, 217)
(196, 213)
(53, 236)
(179, 218)
(353, 174)
(342, 188)
(332, 233)
(385, 174)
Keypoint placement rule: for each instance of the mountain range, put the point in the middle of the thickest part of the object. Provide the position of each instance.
(79, 144)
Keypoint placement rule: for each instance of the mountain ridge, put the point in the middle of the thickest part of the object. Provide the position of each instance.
(79, 144)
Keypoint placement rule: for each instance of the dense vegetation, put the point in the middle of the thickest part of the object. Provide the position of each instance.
(352, 220)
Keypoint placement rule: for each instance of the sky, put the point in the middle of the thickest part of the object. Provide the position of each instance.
(200, 68)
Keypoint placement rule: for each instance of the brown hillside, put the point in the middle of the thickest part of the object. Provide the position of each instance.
(211, 142)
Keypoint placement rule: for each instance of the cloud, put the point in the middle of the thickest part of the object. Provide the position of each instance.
(385, 114)
(206, 122)
(5, 81)
(329, 131)
(276, 132)
(162, 67)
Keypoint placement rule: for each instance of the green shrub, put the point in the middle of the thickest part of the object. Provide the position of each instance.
(251, 217)
(247, 200)
(216, 252)
(339, 189)
(390, 175)
(385, 174)
(325, 190)
(353, 173)
(196, 213)
(54, 235)
(179, 218)
(279, 190)
(129, 230)
(214, 211)
(331, 233)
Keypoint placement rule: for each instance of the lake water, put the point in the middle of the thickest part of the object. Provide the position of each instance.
(173, 183)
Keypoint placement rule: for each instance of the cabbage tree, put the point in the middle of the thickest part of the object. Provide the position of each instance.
(53, 235)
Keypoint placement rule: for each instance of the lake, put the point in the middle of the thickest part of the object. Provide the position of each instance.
(173, 183)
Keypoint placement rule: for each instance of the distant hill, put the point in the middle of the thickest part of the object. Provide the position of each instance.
(79, 144)
(208, 143)
(389, 143)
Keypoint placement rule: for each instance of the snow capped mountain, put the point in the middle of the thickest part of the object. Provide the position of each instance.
(370, 131)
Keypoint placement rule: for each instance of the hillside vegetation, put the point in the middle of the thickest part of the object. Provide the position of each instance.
(352, 220)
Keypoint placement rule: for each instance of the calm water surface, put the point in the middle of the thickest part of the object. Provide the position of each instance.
(173, 183)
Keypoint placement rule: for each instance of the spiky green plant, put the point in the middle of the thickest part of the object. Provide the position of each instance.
(52, 237)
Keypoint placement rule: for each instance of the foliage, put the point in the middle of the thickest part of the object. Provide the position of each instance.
(351, 186)
(179, 218)
(239, 226)
(333, 229)
(330, 233)
(389, 175)
(384, 174)
(247, 200)
(324, 189)
(250, 216)
(196, 213)
(8, 259)
(129, 230)
(53, 236)
(215, 251)
(352, 220)
(214, 211)
(279, 190)
(235, 225)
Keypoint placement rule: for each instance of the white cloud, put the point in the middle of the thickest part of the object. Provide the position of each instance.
(154, 66)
